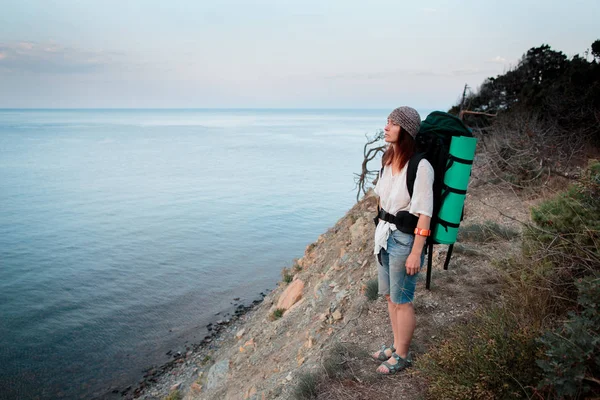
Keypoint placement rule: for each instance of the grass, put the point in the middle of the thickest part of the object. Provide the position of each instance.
(466, 250)
(521, 346)
(372, 289)
(307, 386)
(492, 356)
(486, 232)
(286, 276)
(174, 395)
(336, 369)
(278, 313)
(297, 267)
(335, 362)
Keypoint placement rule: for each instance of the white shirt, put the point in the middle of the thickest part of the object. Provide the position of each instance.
(394, 197)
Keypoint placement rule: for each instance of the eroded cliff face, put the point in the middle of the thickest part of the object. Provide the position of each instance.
(325, 295)
(262, 354)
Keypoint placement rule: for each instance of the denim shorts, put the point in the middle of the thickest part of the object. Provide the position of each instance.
(392, 276)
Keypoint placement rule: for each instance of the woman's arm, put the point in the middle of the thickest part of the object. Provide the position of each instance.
(413, 262)
(422, 206)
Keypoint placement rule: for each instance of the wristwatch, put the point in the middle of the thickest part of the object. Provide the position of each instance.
(422, 232)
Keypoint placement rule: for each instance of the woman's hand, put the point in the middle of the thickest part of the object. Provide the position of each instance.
(413, 263)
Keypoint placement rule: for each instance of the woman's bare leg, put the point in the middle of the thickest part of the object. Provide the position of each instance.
(393, 316)
(394, 319)
(405, 322)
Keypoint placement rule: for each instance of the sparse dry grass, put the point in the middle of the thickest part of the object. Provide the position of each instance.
(372, 289)
(174, 395)
(287, 276)
(499, 353)
(486, 232)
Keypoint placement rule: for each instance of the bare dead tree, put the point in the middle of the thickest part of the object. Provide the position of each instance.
(372, 148)
(525, 150)
(467, 112)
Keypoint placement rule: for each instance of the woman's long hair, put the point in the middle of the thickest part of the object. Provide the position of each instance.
(405, 148)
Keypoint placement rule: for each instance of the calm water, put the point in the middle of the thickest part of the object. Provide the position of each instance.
(123, 232)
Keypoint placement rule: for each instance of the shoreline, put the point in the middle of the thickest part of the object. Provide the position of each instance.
(217, 328)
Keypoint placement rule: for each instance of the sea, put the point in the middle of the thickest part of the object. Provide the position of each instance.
(124, 232)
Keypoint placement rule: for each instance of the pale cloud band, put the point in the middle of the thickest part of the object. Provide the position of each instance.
(405, 72)
(52, 58)
(498, 60)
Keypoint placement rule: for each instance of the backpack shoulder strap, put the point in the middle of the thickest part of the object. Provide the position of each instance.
(411, 173)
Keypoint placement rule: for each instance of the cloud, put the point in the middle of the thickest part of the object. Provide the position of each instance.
(51, 57)
(429, 10)
(498, 60)
(385, 75)
(24, 46)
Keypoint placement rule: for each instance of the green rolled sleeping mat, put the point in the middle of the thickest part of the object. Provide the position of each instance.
(456, 180)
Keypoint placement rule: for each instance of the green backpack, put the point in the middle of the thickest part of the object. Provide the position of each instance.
(448, 144)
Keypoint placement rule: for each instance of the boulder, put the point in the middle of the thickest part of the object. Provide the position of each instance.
(291, 294)
(217, 374)
(298, 304)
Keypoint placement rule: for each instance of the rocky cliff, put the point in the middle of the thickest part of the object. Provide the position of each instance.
(320, 310)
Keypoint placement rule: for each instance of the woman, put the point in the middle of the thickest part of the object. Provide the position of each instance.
(399, 253)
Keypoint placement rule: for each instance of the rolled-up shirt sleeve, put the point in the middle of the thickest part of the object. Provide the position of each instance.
(422, 198)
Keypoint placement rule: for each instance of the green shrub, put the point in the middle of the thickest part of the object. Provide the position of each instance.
(372, 289)
(575, 212)
(307, 386)
(492, 356)
(286, 276)
(571, 364)
(278, 313)
(565, 237)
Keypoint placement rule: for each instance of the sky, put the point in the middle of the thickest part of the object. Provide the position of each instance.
(272, 53)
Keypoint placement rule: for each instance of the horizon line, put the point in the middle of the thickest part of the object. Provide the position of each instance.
(204, 108)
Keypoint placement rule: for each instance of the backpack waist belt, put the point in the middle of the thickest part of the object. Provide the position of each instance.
(405, 222)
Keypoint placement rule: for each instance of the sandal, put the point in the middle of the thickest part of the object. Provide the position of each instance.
(400, 365)
(382, 356)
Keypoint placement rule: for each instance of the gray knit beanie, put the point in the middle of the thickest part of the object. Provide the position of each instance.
(408, 118)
